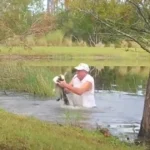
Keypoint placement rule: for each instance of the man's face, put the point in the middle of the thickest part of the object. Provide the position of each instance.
(81, 74)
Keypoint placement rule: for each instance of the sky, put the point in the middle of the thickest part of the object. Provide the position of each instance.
(45, 4)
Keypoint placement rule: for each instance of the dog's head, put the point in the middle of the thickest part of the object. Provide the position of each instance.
(58, 78)
(61, 78)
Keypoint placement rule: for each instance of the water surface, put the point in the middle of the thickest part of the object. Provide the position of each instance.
(120, 112)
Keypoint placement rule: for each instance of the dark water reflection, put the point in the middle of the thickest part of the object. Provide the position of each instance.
(125, 78)
(130, 79)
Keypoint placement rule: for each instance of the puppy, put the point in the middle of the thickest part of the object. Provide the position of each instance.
(60, 90)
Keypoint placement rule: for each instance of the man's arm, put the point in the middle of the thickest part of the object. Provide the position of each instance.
(79, 91)
(67, 91)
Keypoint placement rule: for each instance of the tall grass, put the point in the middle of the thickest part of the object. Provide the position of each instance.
(35, 80)
(55, 38)
(41, 41)
(30, 40)
(38, 80)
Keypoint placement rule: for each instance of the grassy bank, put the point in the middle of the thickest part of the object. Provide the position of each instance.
(43, 50)
(70, 56)
(22, 133)
(70, 63)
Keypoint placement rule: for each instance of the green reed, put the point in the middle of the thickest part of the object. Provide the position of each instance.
(36, 80)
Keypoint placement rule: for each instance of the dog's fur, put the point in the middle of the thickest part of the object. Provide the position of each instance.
(60, 90)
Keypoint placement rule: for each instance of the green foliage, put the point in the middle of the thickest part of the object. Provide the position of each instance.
(93, 22)
(109, 21)
(39, 81)
(17, 16)
(41, 41)
(27, 79)
(84, 25)
(55, 38)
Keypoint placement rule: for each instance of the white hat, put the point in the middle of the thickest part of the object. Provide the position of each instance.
(83, 66)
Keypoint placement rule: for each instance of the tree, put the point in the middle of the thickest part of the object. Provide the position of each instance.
(144, 133)
(129, 19)
(84, 27)
(54, 5)
(17, 16)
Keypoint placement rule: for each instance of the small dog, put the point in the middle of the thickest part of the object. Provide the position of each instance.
(60, 90)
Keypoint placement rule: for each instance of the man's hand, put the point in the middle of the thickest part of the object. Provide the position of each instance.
(62, 84)
(66, 91)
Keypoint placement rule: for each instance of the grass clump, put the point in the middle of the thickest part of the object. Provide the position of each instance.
(36, 80)
(22, 133)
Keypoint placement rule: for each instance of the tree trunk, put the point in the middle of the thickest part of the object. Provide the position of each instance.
(48, 6)
(144, 133)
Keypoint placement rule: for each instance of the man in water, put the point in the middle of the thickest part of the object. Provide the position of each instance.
(81, 86)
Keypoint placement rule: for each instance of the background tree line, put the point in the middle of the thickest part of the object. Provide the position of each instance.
(67, 22)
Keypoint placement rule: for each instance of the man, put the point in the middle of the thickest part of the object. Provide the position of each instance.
(81, 86)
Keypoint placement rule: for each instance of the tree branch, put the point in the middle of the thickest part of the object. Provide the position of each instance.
(143, 44)
(140, 12)
(140, 30)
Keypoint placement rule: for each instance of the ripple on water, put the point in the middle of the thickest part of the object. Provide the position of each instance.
(114, 110)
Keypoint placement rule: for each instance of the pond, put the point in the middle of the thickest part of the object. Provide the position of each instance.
(119, 97)
(120, 112)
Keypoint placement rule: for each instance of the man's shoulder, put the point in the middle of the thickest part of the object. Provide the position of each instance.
(89, 77)
(74, 77)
